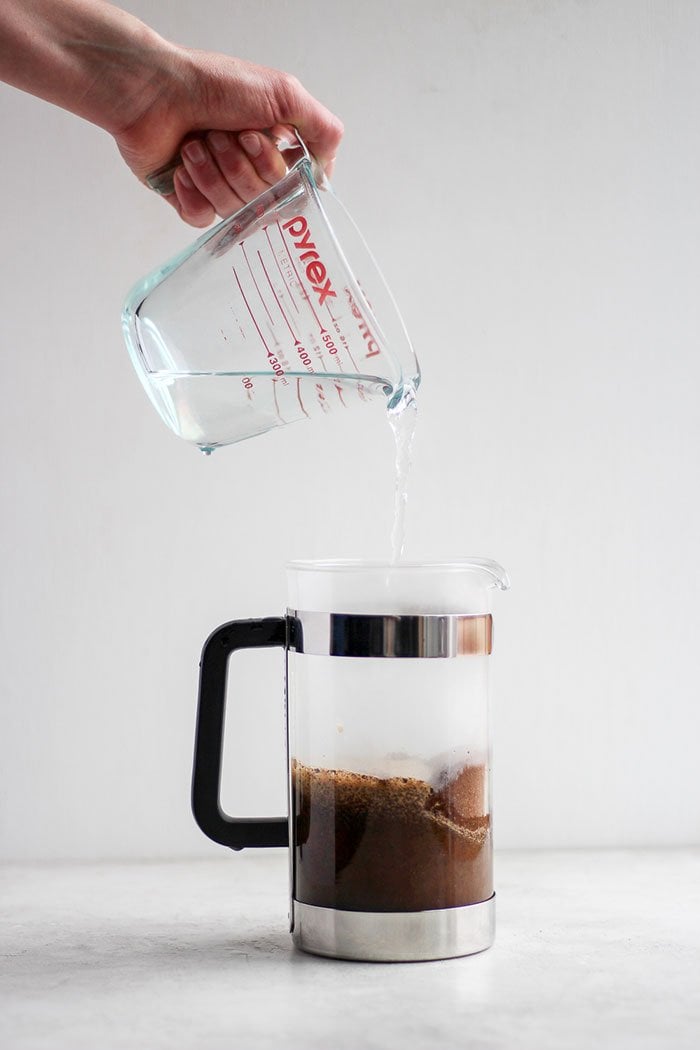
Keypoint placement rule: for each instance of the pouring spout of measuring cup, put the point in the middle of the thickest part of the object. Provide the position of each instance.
(277, 314)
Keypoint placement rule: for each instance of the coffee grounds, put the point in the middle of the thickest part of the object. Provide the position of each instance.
(363, 843)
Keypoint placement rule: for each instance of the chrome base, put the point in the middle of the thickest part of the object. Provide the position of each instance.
(409, 936)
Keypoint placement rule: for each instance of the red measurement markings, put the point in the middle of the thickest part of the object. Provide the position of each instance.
(252, 315)
(340, 395)
(277, 300)
(343, 343)
(277, 407)
(301, 403)
(300, 282)
(274, 255)
(354, 362)
(245, 256)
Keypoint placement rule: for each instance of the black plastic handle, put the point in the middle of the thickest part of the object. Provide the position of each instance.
(236, 832)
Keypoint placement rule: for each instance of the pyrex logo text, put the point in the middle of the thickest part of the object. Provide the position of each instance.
(315, 270)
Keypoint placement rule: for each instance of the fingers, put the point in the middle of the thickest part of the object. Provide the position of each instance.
(192, 206)
(223, 171)
(207, 177)
(320, 129)
(264, 155)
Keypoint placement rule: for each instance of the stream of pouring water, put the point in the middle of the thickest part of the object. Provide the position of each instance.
(402, 420)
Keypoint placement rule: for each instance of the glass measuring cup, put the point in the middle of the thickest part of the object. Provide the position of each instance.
(277, 314)
(388, 729)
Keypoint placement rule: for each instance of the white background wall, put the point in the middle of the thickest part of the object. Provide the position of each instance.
(528, 174)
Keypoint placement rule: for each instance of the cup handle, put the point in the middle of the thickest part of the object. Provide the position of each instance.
(161, 181)
(235, 832)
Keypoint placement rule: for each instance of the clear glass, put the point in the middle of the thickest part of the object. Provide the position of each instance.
(390, 801)
(266, 320)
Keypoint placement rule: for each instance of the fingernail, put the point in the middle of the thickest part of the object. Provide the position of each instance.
(185, 179)
(219, 140)
(195, 152)
(251, 143)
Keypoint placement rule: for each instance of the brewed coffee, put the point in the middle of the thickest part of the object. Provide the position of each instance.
(364, 843)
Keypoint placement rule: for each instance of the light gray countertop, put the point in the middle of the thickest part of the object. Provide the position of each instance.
(593, 948)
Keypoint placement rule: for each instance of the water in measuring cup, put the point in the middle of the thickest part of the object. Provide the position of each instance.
(402, 420)
(213, 409)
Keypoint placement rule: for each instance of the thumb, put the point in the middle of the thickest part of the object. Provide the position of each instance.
(320, 129)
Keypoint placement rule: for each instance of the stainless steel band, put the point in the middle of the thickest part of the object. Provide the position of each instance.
(409, 936)
(402, 637)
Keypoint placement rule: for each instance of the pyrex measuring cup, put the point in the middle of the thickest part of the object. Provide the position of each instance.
(277, 314)
(388, 727)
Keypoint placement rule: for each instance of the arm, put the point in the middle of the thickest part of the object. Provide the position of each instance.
(155, 98)
(87, 57)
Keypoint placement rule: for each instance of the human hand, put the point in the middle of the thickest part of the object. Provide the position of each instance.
(212, 110)
(161, 101)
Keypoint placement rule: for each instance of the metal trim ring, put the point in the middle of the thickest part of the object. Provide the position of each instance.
(402, 637)
(409, 936)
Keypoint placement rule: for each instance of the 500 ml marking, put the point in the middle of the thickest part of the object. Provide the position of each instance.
(328, 340)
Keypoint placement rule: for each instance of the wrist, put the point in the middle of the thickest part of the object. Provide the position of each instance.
(93, 59)
(127, 70)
